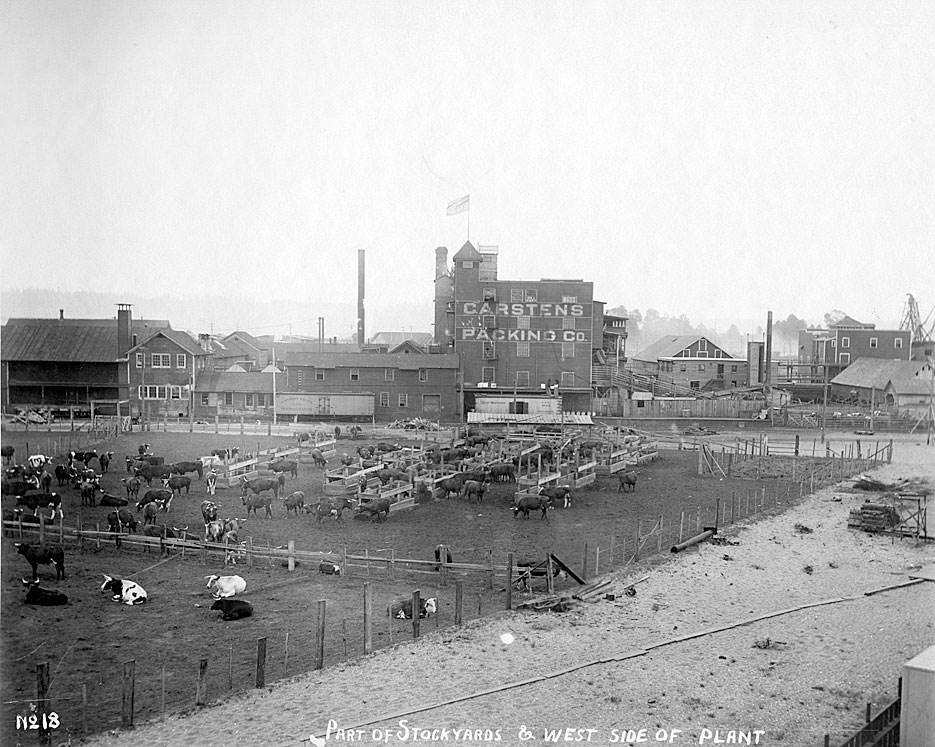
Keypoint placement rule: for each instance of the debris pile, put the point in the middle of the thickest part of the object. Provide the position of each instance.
(414, 424)
(874, 517)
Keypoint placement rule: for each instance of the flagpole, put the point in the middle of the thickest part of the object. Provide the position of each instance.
(469, 222)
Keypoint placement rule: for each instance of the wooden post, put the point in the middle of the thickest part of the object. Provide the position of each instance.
(391, 566)
(584, 562)
(636, 545)
(42, 700)
(889, 453)
(612, 551)
(202, 687)
(443, 560)
(700, 459)
(681, 525)
(509, 581)
(416, 609)
(549, 582)
(490, 571)
(291, 557)
(230, 667)
(260, 662)
(41, 531)
(459, 601)
(730, 462)
(597, 561)
(250, 551)
(129, 688)
(368, 614)
(320, 636)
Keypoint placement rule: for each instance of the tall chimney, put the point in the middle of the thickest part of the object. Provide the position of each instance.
(61, 314)
(123, 329)
(360, 298)
(769, 348)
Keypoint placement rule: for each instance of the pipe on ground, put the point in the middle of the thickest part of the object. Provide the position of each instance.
(707, 533)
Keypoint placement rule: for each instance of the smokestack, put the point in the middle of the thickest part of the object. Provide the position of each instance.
(61, 314)
(769, 348)
(123, 329)
(360, 298)
(441, 261)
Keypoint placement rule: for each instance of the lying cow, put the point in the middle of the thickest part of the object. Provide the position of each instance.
(402, 609)
(330, 569)
(121, 590)
(225, 586)
(35, 594)
(627, 481)
(233, 609)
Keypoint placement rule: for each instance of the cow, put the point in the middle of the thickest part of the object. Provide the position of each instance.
(503, 473)
(36, 555)
(113, 500)
(329, 569)
(226, 454)
(225, 586)
(7, 453)
(37, 461)
(20, 486)
(210, 462)
(438, 556)
(451, 485)
(104, 461)
(133, 485)
(19, 514)
(35, 594)
(346, 459)
(214, 530)
(375, 507)
(559, 493)
(89, 490)
(182, 468)
(143, 449)
(318, 458)
(211, 483)
(176, 483)
(402, 609)
(161, 530)
(283, 466)
(150, 512)
(143, 470)
(627, 481)
(303, 437)
(294, 502)
(387, 473)
(232, 526)
(121, 590)
(35, 501)
(333, 508)
(117, 520)
(365, 452)
(529, 569)
(532, 503)
(259, 485)
(255, 502)
(237, 550)
(232, 609)
(160, 496)
(64, 475)
(209, 510)
(82, 456)
(45, 482)
(472, 489)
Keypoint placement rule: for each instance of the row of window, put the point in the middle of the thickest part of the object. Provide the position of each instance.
(522, 322)
(874, 343)
(162, 360)
(522, 295)
(389, 374)
(159, 392)
(521, 378)
(489, 350)
(251, 400)
(669, 367)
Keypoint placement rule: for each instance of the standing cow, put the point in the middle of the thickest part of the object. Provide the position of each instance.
(627, 481)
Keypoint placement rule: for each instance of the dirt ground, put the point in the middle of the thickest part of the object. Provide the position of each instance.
(690, 659)
(87, 642)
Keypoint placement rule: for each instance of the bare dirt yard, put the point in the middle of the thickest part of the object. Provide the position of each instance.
(672, 657)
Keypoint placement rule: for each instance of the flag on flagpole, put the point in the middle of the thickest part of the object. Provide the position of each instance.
(459, 205)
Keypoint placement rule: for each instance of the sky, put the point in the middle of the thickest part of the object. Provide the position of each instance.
(717, 159)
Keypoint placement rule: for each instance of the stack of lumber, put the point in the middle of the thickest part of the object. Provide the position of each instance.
(876, 517)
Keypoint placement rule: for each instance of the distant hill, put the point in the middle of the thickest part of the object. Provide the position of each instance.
(220, 313)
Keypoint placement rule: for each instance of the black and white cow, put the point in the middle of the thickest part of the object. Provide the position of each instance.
(121, 590)
(402, 609)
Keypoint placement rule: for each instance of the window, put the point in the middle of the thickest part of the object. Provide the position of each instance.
(490, 294)
(568, 350)
(898, 343)
(228, 398)
(733, 369)
(569, 299)
(162, 360)
(180, 361)
(874, 341)
(701, 367)
(299, 376)
(153, 392)
(175, 392)
(468, 264)
(319, 374)
(355, 374)
(204, 400)
(694, 384)
(845, 358)
(248, 400)
(423, 374)
(384, 399)
(522, 349)
(490, 321)
(139, 360)
(834, 343)
(845, 342)
(641, 403)
(261, 400)
(522, 378)
(487, 374)
(568, 322)
(568, 378)
(522, 322)
(703, 345)
(683, 368)
(531, 295)
(403, 399)
(389, 374)
(489, 351)
(516, 295)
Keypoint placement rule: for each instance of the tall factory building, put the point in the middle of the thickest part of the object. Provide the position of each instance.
(516, 338)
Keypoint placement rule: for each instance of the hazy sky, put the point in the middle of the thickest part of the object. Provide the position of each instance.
(719, 159)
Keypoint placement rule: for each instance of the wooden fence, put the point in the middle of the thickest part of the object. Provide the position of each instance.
(881, 730)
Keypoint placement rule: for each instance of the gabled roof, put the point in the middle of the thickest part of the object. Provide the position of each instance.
(230, 381)
(408, 347)
(468, 253)
(877, 372)
(65, 340)
(244, 341)
(397, 338)
(181, 339)
(670, 345)
(903, 384)
(373, 360)
(848, 322)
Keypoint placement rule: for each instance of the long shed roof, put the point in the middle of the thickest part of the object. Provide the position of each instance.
(65, 340)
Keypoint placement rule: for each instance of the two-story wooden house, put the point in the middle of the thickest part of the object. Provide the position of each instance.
(164, 368)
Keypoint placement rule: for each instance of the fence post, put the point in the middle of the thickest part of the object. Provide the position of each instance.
(250, 551)
(260, 662)
(42, 693)
(584, 563)
(368, 611)
(443, 560)
(201, 687)
(320, 636)
(509, 581)
(416, 609)
(459, 601)
(129, 688)
(291, 555)
(549, 583)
